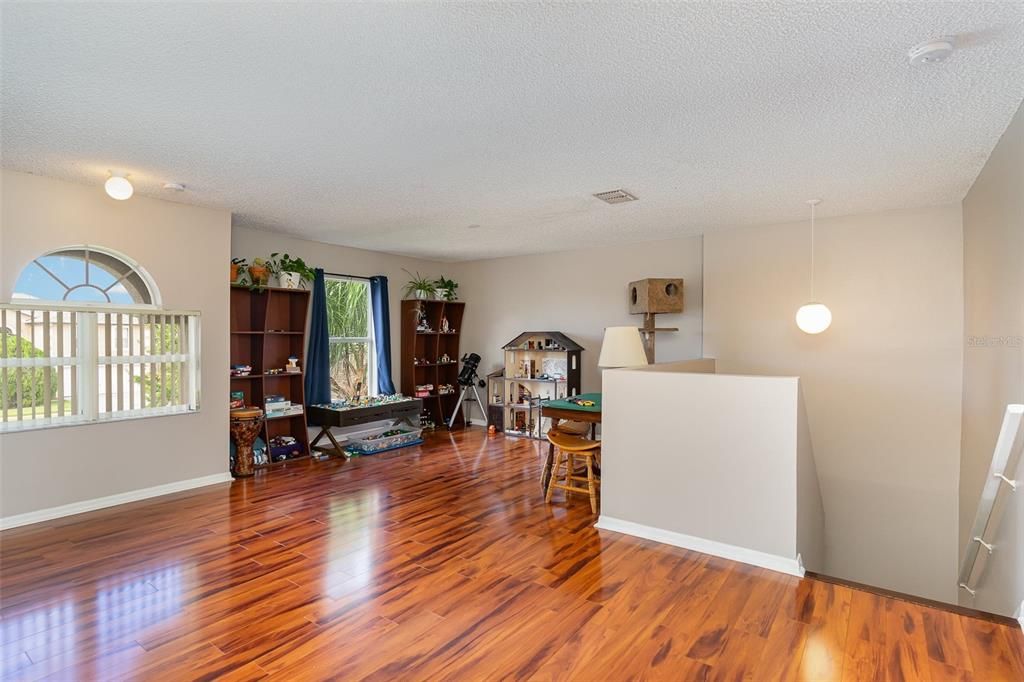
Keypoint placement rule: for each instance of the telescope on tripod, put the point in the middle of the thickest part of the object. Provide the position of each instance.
(469, 380)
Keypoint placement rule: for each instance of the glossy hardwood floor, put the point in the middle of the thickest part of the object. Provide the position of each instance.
(439, 562)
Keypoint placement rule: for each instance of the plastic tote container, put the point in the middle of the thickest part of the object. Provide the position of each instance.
(373, 441)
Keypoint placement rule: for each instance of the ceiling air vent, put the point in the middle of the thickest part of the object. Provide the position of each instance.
(615, 196)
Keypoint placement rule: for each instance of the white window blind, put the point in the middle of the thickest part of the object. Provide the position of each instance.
(61, 365)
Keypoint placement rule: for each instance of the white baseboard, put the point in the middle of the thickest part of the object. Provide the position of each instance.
(110, 501)
(744, 555)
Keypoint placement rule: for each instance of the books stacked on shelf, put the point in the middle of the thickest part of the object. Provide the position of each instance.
(241, 370)
(423, 390)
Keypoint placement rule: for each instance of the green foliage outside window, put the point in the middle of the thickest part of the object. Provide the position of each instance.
(32, 380)
(348, 318)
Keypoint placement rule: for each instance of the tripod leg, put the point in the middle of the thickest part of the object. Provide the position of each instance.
(455, 412)
(483, 408)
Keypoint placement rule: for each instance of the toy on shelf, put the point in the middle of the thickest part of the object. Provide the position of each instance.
(423, 326)
(241, 370)
(445, 389)
(293, 365)
(444, 359)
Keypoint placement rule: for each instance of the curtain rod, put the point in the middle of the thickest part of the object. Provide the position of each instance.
(342, 274)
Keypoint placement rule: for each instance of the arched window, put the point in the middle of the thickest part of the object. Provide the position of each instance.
(86, 274)
(84, 339)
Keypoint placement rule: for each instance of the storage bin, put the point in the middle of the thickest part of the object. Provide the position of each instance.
(374, 440)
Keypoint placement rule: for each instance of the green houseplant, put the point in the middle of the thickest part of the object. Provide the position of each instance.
(446, 288)
(259, 273)
(239, 268)
(290, 271)
(419, 287)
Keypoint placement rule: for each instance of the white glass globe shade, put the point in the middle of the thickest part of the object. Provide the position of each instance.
(813, 318)
(118, 188)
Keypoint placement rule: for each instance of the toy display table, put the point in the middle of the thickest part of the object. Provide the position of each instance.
(569, 409)
(246, 424)
(328, 417)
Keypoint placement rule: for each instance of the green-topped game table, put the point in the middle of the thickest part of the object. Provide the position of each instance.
(573, 409)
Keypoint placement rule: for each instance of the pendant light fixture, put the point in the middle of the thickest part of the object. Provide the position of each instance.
(813, 317)
(118, 187)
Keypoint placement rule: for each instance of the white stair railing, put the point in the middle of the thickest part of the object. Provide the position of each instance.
(998, 482)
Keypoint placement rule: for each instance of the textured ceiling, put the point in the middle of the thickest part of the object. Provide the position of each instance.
(395, 126)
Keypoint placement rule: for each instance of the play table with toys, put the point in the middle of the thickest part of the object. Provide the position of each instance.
(396, 409)
(585, 407)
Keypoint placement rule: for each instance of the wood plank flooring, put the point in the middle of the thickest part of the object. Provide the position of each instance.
(437, 562)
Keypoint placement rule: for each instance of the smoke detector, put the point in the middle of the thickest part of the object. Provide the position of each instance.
(930, 52)
(615, 196)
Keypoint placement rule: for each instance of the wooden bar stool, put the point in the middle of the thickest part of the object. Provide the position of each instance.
(567, 449)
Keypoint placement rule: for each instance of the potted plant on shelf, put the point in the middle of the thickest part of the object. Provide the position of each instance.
(290, 271)
(419, 287)
(446, 288)
(239, 267)
(259, 273)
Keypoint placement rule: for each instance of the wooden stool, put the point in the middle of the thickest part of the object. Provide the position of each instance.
(567, 449)
(246, 424)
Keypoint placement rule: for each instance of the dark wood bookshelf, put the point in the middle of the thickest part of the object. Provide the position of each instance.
(430, 346)
(268, 326)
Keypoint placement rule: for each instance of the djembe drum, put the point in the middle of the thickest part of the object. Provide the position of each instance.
(245, 426)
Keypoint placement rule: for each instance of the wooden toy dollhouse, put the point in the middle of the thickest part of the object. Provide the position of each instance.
(539, 366)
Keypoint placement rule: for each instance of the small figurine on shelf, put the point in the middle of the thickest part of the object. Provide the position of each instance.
(445, 328)
(445, 389)
(422, 325)
(293, 364)
(415, 361)
(444, 359)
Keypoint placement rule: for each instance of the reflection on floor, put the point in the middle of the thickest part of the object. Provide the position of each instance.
(437, 562)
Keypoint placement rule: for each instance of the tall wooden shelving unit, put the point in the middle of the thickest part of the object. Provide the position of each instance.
(430, 346)
(267, 327)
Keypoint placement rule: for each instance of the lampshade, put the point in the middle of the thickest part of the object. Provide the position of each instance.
(622, 347)
(813, 318)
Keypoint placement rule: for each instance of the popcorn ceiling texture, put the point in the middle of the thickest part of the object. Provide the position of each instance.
(395, 126)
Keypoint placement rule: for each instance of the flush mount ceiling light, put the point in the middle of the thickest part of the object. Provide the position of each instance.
(118, 187)
(930, 52)
(174, 186)
(615, 196)
(813, 317)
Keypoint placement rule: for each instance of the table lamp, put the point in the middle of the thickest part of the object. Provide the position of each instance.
(622, 347)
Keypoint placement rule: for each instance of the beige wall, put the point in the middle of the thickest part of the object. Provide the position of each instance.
(710, 457)
(248, 243)
(579, 293)
(993, 372)
(882, 385)
(185, 249)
